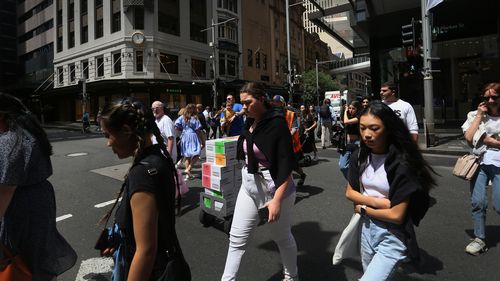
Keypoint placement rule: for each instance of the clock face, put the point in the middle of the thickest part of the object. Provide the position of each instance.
(138, 38)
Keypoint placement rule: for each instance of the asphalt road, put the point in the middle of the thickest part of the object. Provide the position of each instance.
(91, 177)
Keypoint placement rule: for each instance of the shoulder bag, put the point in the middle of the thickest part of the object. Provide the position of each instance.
(466, 166)
(349, 244)
(13, 268)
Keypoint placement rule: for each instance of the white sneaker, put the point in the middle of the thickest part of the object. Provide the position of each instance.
(476, 247)
(289, 278)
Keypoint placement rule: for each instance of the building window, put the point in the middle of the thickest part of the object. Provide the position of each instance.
(231, 5)
(115, 16)
(277, 67)
(138, 17)
(168, 17)
(228, 31)
(71, 23)
(117, 63)
(72, 73)
(231, 65)
(169, 63)
(227, 65)
(199, 68)
(59, 25)
(99, 24)
(257, 60)
(84, 25)
(60, 76)
(264, 61)
(139, 61)
(198, 17)
(85, 69)
(99, 64)
(250, 57)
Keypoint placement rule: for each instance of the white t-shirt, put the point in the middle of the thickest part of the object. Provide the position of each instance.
(492, 155)
(374, 177)
(167, 130)
(406, 113)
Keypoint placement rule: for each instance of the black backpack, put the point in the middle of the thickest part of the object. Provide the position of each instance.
(324, 111)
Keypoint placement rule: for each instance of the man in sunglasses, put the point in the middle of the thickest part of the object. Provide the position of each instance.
(388, 94)
(236, 120)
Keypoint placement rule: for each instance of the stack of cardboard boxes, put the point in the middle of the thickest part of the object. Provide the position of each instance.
(221, 177)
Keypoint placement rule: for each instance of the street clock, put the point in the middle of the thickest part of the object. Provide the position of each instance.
(138, 38)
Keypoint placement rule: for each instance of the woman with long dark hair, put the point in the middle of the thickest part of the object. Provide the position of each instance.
(351, 125)
(27, 199)
(482, 132)
(266, 147)
(145, 218)
(389, 183)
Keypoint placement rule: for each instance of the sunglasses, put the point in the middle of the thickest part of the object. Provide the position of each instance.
(494, 98)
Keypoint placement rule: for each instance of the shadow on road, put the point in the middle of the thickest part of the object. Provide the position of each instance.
(306, 191)
(314, 261)
(191, 200)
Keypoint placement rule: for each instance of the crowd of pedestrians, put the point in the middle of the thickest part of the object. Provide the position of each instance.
(387, 179)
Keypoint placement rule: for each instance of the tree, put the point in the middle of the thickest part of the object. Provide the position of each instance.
(308, 84)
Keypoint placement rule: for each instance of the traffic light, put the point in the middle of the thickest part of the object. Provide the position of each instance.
(408, 34)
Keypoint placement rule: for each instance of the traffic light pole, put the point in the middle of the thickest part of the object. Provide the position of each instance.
(428, 121)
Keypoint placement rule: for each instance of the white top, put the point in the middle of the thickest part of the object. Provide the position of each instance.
(167, 130)
(374, 177)
(406, 113)
(492, 154)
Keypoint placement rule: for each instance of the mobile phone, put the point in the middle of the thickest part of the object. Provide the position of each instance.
(263, 215)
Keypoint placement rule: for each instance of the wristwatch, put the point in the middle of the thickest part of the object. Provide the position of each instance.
(362, 210)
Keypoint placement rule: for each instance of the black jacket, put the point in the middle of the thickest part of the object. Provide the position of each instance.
(403, 185)
(272, 137)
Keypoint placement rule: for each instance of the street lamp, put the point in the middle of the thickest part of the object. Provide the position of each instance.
(214, 54)
(317, 82)
(289, 74)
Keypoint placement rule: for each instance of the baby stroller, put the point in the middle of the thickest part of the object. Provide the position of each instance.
(308, 143)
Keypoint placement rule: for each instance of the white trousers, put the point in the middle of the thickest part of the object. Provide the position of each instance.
(253, 194)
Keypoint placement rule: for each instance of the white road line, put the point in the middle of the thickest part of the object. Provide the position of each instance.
(104, 204)
(63, 217)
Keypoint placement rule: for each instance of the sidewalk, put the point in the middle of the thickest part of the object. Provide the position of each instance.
(448, 141)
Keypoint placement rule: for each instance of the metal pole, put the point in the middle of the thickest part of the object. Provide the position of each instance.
(317, 82)
(214, 67)
(428, 79)
(289, 75)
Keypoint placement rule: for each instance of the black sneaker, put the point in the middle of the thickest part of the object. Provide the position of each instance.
(302, 179)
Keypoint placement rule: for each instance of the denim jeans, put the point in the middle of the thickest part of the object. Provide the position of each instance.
(253, 195)
(344, 160)
(479, 196)
(382, 248)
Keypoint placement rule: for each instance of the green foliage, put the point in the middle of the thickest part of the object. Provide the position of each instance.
(308, 85)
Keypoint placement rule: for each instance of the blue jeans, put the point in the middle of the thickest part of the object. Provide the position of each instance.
(344, 159)
(382, 248)
(479, 196)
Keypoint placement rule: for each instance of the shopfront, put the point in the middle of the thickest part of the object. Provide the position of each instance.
(465, 45)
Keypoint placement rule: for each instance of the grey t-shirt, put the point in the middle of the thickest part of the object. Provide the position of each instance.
(21, 159)
(29, 225)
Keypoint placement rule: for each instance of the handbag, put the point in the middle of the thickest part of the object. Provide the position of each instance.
(13, 268)
(466, 166)
(349, 244)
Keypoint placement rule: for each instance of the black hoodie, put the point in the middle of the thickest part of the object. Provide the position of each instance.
(272, 137)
